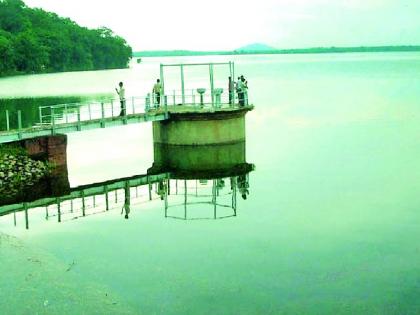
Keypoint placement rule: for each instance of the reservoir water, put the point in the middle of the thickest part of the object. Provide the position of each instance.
(331, 224)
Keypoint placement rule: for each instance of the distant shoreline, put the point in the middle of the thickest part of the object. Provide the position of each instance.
(316, 50)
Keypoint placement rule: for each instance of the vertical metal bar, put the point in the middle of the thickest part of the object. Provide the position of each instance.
(40, 114)
(19, 124)
(46, 213)
(102, 115)
(65, 114)
(182, 85)
(212, 84)
(214, 198)
(25, 206)
(106, 198)
(58, 209)
(71, 205)
(132, 105)
(7, 120)
(150, 191)
(166, 195)
(176, 186)
(174, 98)
(53, 120)
(231, 93)
(116, 196)
(94, 201)
(185, 199)
(79, 126)
(83, 204)
(90, 112)
(233, 78)
(162, 82)
(14, 218)
(112, 108)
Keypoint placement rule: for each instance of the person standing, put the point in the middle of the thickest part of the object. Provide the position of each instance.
(231, 90)
(157, 90)
(244, 90)
(121, 94)
(239, 90)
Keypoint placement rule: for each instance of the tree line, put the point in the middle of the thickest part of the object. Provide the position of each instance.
(36, 41)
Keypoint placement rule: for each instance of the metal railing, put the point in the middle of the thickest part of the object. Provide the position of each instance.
(112, 108)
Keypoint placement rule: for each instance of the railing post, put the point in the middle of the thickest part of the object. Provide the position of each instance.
(19, 113)
(102, 115)
(83, 204)
(58, 209)
(112, 108)
(182, 84)
(90, 112)
(65, 113)
(233, 78)
(211, 84)
(132, 105)
(40, 114)
(7, 120)
(106, 198)
(79, 126)
(53, 120)
(174, 98)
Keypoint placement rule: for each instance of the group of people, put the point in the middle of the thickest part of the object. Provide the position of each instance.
(157, 91)
(239, 87)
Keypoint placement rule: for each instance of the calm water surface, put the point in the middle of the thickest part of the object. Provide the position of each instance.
(331, 225)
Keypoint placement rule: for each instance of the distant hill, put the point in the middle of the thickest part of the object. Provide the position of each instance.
(261, 49)
(256, 47)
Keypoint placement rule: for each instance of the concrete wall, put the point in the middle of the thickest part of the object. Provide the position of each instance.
(203, 161)
(201, 128)
(50, 148)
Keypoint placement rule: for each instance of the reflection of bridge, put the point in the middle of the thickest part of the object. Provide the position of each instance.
(67, 118)
(101, 197)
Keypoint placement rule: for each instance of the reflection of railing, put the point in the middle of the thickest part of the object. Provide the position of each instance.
(78, 200)
(122, 193)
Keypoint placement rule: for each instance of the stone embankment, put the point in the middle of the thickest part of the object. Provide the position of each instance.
(18, 172)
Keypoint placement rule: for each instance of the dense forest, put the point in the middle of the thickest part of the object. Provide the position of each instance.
(35, 41)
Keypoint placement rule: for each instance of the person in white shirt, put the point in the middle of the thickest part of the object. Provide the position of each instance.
(121, 94)
(239, 90)
(157, 89)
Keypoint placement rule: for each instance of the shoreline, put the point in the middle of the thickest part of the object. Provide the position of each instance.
(37, 282)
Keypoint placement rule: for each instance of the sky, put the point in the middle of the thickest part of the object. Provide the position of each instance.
(231, 24)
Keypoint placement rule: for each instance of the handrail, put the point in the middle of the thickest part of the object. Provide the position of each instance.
(111, 107)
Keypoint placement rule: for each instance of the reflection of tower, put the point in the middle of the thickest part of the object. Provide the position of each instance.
(199, 176)
(200, 192)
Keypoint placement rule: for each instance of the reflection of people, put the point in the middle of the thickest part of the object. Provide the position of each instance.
(157, 89)
(121, 94)
(161, 189)
(126, 206)
(243, 185)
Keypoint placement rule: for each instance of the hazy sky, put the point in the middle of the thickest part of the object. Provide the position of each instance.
(230, 24)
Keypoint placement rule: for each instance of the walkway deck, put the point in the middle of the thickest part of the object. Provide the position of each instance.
(67, 122)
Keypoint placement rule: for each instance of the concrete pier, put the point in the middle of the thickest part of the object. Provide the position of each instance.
(202, 127)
